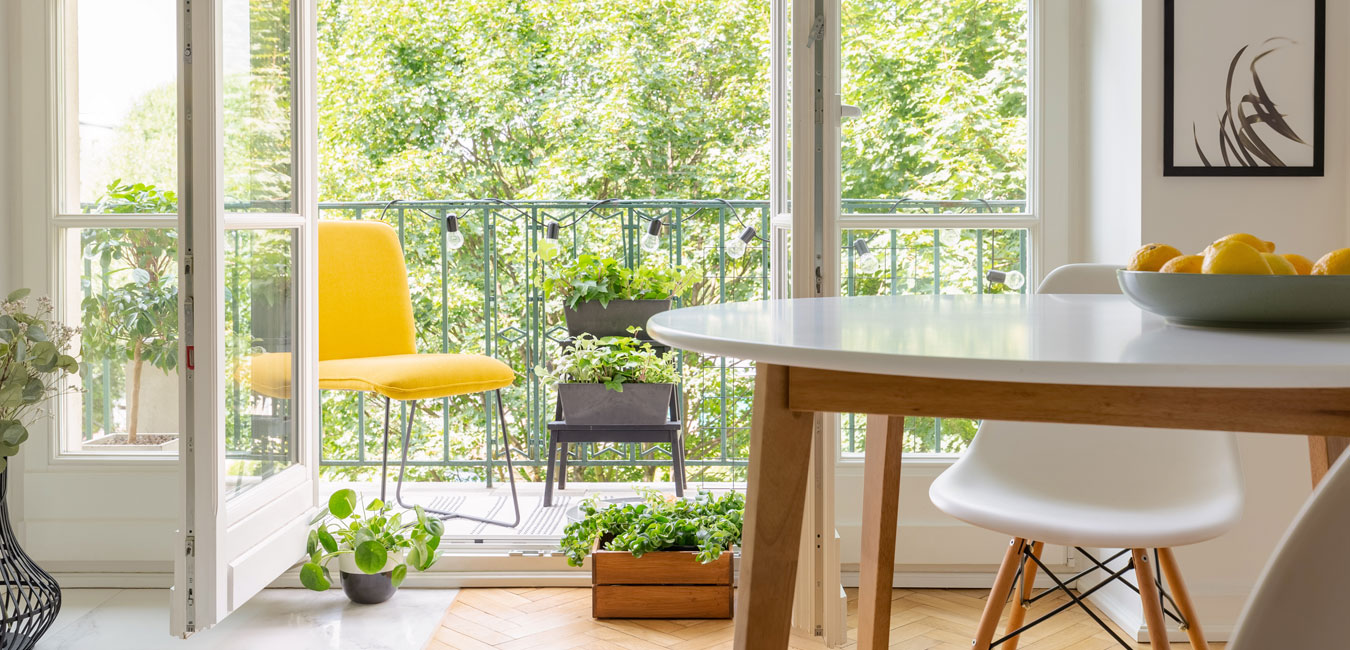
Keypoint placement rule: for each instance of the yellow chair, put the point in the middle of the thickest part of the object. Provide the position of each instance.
(367, 343)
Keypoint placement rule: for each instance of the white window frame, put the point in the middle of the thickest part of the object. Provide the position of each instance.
(1046, 217)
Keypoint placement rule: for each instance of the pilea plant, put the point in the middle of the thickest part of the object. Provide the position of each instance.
(612, 361)
(708, 523)
(603, 279)
(372, 536)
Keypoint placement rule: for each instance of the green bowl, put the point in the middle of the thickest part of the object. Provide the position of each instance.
(1242, 301)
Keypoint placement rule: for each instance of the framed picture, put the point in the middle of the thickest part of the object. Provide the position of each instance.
(1244, 87)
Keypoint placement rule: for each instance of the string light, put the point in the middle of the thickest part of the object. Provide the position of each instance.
(735, 247)
(1012, 279)
(453, 237)
(549, 247)
(865, 261)
(651, 241)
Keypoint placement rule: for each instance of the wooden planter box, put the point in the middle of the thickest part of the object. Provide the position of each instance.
(664, 584)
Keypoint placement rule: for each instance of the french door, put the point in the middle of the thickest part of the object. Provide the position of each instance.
(249, 459)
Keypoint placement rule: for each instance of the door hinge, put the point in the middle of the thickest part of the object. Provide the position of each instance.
(817, 31)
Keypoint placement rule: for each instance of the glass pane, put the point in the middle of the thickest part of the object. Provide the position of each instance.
(128, 308)
(260, 320)
(932, 261)
(259, 96)
(942, 86)
(121, 92)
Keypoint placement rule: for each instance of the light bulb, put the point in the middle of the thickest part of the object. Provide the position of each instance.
(949, 236)
(735, 246)
(1012, 279)
(453, 237)
(651, 240)
(865, 261)
(549, 246)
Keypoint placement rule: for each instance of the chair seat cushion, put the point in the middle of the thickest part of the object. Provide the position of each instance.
(401, 377)
(417, 376)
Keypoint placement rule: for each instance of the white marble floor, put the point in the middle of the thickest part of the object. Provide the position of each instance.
(289, 619)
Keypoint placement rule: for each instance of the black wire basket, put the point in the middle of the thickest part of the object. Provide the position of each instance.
(29, 596)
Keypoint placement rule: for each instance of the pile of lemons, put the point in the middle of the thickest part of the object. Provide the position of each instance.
(1238, 254)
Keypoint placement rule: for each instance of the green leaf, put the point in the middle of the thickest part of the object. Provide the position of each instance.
(326, 540)
(18, 294)
(400, 572)
(375, 505)
(342, 503)
(370, 557)
(314, 576)
(323, 512)
(434, 526)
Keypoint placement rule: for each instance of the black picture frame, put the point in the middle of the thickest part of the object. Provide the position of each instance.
(1317, 168)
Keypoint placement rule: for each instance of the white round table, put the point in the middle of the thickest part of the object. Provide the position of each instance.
(1089, 359)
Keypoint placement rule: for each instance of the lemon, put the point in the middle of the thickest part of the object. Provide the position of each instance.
(1261, 245)
(1234, 257)
(1279, 265)
(1301, 264)
(1336, 262)
(1152, 257)
(1184, 264)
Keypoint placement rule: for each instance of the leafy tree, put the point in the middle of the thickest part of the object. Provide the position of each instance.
(135, 314)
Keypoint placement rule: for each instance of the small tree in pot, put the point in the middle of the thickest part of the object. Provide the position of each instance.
(613, 380)
(604, 298)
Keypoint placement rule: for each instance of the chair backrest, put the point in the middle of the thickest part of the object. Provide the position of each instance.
(365, 309)
(1051, 457)
(1082, 278)
(1300, 599)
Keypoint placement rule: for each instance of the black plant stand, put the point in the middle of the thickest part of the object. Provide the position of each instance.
(29, 597)
(561, 434)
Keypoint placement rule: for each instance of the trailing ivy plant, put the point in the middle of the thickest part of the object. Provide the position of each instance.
(612, 361)
(34, 357)
(372, 536)
(603, 279)
(707, 523)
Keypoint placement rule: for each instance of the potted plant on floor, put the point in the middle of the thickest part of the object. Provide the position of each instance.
(375, 546)
(604, 298)
(613, 380)
(662, 558)
(34, 361)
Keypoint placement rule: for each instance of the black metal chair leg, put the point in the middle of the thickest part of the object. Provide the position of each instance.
(548, 473)
(562, 466)
(445, 514)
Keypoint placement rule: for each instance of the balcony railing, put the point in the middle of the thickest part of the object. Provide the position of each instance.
(487, 297)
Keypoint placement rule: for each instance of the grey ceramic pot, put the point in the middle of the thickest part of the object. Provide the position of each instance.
(638, 404)
(612, 320)
(371, 589)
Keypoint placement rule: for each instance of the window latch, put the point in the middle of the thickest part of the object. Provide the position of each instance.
(817, 31)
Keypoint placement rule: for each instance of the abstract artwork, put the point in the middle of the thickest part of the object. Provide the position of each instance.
(1244, 87)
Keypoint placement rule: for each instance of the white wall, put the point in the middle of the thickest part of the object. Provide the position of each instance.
(1124, 206)
(7, 154)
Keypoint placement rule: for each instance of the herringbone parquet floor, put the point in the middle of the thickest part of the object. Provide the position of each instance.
(560, 619)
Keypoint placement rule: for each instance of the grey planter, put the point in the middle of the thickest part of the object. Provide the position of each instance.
(370, 589)
(612, 320)
(638, 404)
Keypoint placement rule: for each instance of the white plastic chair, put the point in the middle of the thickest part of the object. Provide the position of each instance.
(1299, 600)
(1093, 486)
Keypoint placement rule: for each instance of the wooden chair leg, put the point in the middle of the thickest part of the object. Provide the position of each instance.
(780, 462)
(1167, 563)
(998, 595)
(881, 505)
(1148, 594)
(1019, 611)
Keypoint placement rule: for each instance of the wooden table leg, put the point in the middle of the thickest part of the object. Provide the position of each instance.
(881, 503)
(780, 458)
(1322, 454)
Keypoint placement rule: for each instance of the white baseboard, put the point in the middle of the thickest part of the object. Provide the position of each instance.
(937, 580)
(112, 580)
(1120, 604)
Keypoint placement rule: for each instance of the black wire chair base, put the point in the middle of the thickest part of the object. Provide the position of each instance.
(29, 596)
(403, 466)
(1080, 598)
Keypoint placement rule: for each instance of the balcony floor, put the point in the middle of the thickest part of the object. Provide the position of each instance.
(537, 523)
